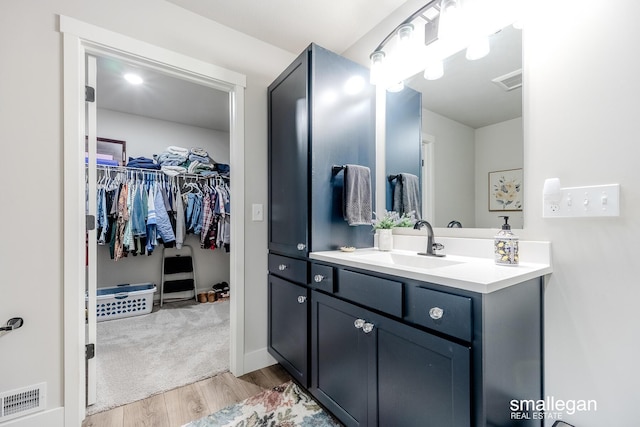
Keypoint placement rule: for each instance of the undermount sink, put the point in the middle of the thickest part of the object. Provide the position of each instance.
(406, 260)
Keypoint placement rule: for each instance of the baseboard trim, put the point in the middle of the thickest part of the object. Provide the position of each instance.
(257, 359)
(50, 418)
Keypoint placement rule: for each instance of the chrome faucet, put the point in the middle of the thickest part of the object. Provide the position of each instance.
(431, 245)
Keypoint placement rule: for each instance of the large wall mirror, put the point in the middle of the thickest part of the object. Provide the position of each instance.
(471, 137)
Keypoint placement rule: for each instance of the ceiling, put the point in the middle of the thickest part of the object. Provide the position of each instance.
(352, 26)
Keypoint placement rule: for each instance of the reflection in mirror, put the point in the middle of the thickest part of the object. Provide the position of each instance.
(471, 126)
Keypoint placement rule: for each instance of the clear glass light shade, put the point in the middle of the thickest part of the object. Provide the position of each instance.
(479, 48)
(405, 33)
(377, 67)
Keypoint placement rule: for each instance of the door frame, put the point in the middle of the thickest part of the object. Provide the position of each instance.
(80, 38)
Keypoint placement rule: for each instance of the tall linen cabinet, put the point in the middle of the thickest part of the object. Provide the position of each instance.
(321, 114)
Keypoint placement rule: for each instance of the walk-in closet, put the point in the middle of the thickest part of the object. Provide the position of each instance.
(163, 190)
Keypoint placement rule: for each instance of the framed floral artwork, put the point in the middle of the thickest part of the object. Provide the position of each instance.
(505, 190)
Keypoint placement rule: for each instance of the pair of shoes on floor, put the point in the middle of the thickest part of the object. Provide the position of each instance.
(221, 289)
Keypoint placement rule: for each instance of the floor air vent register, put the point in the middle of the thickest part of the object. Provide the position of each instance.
(21, 402)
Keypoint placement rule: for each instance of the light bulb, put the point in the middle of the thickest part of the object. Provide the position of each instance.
(479, 48)
(134, 79)
(396, 87)
(434, 70)
(377, 64)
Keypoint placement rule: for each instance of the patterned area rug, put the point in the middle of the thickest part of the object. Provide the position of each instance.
(284, 406)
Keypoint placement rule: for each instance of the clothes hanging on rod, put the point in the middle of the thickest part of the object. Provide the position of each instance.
(137, 209)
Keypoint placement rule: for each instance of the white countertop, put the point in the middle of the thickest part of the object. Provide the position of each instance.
(476, 274)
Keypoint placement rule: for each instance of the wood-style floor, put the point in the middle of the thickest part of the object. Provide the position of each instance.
(184, 404)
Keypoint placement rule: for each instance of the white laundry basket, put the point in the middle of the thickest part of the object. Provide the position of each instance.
(124, 301)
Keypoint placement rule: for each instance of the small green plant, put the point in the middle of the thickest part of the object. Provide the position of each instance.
(407, 220)
(391, 219)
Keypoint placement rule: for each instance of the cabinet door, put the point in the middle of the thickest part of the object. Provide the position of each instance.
(423, 380)
(288, 327)
(342, 359)
(288, 160)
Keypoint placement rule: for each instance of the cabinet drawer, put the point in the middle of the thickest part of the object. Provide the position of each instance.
(374, 292)
(322, 277)
(288, 268)
(440, 311)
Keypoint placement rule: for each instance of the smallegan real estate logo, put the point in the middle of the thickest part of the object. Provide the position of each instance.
(549, 408)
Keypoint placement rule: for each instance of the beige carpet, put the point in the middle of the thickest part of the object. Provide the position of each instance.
(178, 344)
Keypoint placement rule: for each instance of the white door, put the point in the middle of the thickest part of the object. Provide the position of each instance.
(91, 261)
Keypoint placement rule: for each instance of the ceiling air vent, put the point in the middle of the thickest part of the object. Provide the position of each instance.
(510, 80)
(24, 401)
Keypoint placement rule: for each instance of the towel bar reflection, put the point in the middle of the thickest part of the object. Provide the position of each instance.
(335, 169)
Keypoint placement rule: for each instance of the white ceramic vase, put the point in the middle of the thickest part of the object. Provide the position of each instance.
(385, 239)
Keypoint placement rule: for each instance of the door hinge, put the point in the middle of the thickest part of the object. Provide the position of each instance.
(91, 222)
(90, 351)
(89, 94)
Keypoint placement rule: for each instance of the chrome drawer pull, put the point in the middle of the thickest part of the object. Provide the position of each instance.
(301, 246)
(318, 278)
(301, 299)
(367, 327)
(359, 323)
(436, 313)
(282, 267)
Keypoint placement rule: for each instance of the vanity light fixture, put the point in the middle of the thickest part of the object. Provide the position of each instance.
(436, 31)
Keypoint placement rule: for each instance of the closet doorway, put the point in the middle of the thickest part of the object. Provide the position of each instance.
(155, 117)
(79, 40)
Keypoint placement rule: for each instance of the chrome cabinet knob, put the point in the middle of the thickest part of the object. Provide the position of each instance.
(301, 246)
(282, 267)
(318, 278)
(359, 323)
(301, 299)
(367, 327)
(436, 313)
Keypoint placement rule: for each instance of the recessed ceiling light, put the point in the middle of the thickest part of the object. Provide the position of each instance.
(134, 79)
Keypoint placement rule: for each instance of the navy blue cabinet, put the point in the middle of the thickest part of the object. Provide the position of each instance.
(371, 370)
(321, 113)
(288, 326)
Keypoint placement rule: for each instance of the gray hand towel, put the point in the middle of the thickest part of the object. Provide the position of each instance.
(406, 194)
(357, 195)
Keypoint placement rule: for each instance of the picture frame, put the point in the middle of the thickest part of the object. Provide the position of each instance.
(505, 190)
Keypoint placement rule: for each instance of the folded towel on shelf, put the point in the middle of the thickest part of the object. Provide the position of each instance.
(406, 194)
(199, 152)
(170, 159)
(197, 158)
(357, 195)
(173, 170)
(103, 162)
(143, 163)
(174, 149)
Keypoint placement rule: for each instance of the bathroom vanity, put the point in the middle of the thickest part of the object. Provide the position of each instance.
(396, 339)
(389, 339)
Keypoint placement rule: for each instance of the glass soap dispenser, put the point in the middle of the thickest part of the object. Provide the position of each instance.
(506, 245)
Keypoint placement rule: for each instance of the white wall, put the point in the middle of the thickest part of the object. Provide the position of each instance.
(454, 165)
(582, 100)
(498, 147)
(145, 137)
(31, 122)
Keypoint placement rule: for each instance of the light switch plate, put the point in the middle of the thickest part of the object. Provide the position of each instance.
(257, 212)
(589, 201)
